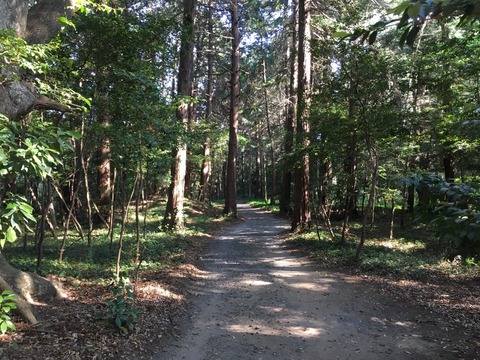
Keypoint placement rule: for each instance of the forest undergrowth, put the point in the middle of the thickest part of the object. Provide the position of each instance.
(411, 266)
(82, 324)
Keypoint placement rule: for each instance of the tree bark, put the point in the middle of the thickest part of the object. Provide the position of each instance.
(273, 179)
(42, 20)
(174, 214)
(205, 172)
(206, 163)
(230, 193)
(301, 211)
(104, 173)
(290, 117)
(23, 308)
(13, 14)
(371, 198)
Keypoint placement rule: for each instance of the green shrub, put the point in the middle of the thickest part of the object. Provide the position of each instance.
(454, 209)
(122, 310)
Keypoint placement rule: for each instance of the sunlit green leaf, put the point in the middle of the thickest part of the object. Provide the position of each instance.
(414, 9)
(3, 327)
(340, 34)
(10, 235)
(399, 9)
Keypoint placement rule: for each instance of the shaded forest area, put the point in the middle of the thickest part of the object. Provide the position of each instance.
(129, 127)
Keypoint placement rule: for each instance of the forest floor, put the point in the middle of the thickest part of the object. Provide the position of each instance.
(246, 294)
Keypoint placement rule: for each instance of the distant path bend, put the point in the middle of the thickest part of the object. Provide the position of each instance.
(258, 301)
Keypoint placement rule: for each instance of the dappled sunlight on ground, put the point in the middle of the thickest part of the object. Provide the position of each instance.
(309, 286)
(271, 309)
(256, 282)
(255, 300)
(284, 262)
(287, 274)
(404, 323)
(293, 331)
(152, 290)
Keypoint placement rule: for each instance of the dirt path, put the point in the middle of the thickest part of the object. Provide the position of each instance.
(255, 300)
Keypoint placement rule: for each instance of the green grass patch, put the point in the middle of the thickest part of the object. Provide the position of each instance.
(158, 248)
(413, 254)
(274, 208)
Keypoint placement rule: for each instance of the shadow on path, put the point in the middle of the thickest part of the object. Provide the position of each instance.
(255, 300)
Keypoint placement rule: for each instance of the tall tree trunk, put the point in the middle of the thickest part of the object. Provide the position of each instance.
(205, 173)
(258, 163)
(350, 164)
(104, 173)
(242, 166)
(103, 154)
(446, 99)
(448, 166)
(262, 167)
(111, 233)
(392, 218)
(123, 191)
(371, 198)
(206, 163)
(249, 174)
(46, 200)
(138, 198)
(230, 191)
(84, 168)
(273, 180)
(301, 211)
(174, 213)
(291, 56)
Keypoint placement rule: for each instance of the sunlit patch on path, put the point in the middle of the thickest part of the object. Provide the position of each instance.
(255, 300)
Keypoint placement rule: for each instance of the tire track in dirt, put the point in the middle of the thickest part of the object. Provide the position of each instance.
(255, 300)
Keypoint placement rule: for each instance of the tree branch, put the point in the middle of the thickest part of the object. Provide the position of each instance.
(44, 103)
(18, 98)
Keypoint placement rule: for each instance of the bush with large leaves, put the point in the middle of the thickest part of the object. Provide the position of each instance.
(454, 209)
